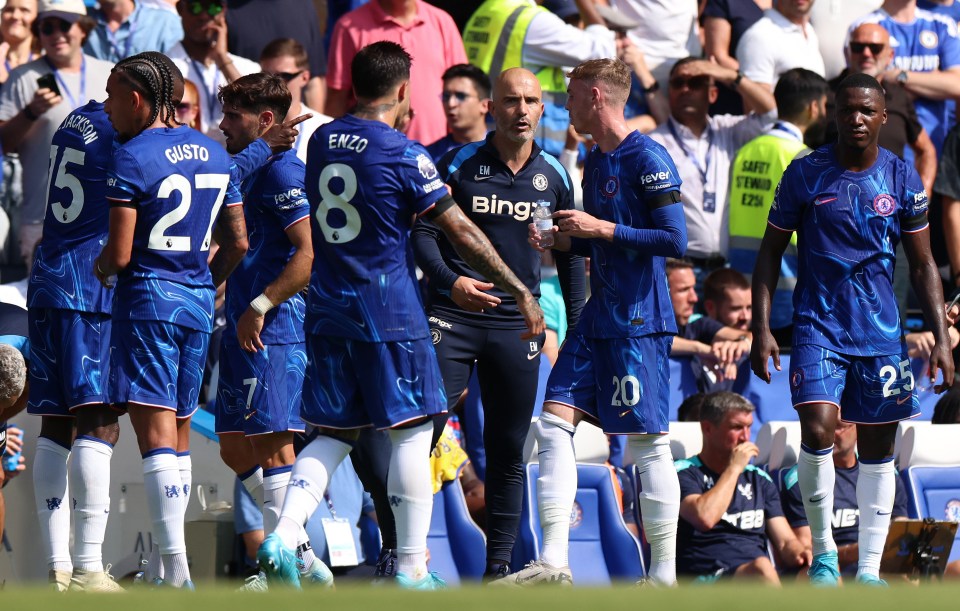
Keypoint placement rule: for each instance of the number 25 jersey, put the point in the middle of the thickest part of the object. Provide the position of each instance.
(177, 179)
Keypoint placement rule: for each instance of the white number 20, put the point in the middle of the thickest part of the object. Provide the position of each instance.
(626, 391)
(888, 374)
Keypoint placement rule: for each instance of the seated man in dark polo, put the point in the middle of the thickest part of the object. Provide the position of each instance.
(846, 516)
(730, 511)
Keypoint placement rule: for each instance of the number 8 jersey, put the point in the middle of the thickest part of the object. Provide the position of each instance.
(366, 182)
(177, 179)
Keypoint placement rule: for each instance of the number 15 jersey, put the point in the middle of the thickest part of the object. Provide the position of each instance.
(366, 182)
(177, 179)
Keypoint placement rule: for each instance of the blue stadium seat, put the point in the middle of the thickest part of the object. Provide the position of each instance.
(934, 492)
(601, 548)
(458, 548)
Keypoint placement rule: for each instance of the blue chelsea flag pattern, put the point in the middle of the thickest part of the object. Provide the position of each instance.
(630, 296)
(75, 227)
(366, 182)
(848, 226)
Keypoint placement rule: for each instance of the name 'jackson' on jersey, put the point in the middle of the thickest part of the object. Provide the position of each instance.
(362, 199)
(177, 179)
(629, 292)
(77, 217)
(848, 226)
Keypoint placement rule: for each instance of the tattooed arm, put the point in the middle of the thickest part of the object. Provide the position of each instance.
(231, 234)
(471, 244)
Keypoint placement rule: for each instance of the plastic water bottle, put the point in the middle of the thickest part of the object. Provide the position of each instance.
(543, 221)
(10, 461)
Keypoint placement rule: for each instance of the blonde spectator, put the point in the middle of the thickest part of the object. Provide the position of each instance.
(18, 46)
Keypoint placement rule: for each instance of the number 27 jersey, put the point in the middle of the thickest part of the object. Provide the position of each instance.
(177, 179)
(366, 182)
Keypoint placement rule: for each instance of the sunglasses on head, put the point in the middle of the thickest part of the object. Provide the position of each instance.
(53, 25)
(288, 76)
(695, 82)
(875, 47)
(213, 8)
(461, 96)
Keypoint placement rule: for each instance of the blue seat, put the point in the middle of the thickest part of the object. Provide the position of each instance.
(934, 492)
(602, 550)
(458, 548)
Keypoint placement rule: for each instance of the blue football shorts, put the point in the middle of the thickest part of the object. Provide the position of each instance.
(260, 392)
(69, 360)
(157, 364)
(353, 384)
(866, 389)
(622, 384)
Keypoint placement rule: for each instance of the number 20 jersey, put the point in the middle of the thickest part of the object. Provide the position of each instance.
(365, 183)
(177, 179)
(77, 217)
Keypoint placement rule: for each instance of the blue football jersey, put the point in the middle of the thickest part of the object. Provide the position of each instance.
(741, 534)
(75, 227)
(926, 44)
(366, 182)
(848, 226)
(629, 292)
(177, 179)
(274, 199)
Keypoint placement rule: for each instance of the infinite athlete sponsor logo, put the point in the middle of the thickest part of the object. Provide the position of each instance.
(884, 204)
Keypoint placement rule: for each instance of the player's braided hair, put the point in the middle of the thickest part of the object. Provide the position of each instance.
(158, 79)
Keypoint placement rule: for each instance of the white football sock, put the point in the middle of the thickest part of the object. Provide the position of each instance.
(659, 500)
(252, 480)
(164, 490)
(816, 477)
(876, 488)
(556, 486)
(410, 491)
(275, 482)
(90, 486)
(51, 493)
(185, 465)
(308, 481)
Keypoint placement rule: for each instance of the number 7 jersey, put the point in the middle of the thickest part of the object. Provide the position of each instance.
(177, 179)
(366, 182)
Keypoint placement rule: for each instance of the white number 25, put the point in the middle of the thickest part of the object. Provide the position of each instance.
(888, 373)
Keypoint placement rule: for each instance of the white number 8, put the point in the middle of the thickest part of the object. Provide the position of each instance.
(905, 372)
(333, 201)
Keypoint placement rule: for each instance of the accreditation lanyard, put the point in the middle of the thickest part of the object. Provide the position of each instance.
(209, 89)
(703, 169)
(6, 62)
(63, 85)
(128, 42)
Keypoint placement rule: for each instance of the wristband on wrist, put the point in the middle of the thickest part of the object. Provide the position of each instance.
(262, 304)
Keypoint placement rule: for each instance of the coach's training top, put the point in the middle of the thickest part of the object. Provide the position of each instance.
(848, 226)
(77, 217)
(629, 292)
(365, 182)
(740, 535)
(501, 204)
(274, 199)
(177, 179)
(846, 515)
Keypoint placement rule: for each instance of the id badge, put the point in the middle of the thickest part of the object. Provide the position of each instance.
(709, 201)
(340, 544)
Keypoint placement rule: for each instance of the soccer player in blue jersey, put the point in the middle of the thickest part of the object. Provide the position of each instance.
(850, 204)
(70, 338)
(168, 188)
(612, 368)
(262, 356)
(371, 360)
(499, 181)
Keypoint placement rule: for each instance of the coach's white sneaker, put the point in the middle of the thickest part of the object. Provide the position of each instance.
(94, 581)
(536, 573)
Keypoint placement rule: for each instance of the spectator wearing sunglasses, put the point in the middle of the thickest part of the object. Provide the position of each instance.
(202, 57)
(31, 113)
(703, 148)
(287, 58)
(466, 101)
(125, 28)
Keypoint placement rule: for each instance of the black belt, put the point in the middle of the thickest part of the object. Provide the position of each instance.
(712, 262)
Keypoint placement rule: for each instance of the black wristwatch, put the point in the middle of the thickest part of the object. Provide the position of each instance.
(736, 81)
(655, 87)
